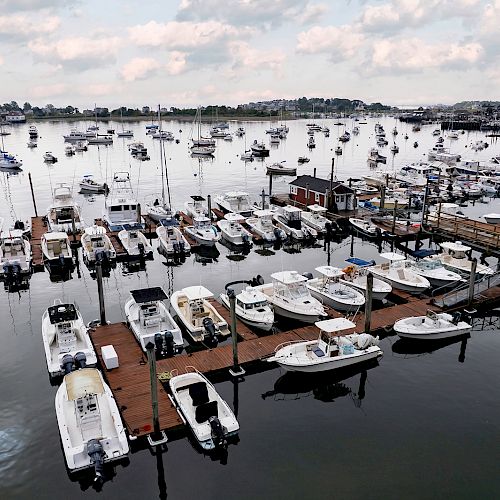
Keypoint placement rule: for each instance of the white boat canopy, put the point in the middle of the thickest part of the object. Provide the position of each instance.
(317, 209)
(291, 210)
(95, 231)
(263, 213)
(454, 246)
(197, 292)
(330, 271)
(335, 325)
(288, 277)
(83, 382)
(234, 217)
(392, 256)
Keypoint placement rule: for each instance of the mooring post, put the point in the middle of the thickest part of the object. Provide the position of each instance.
(100, 292)
(236, 370)
(32, 194)
(314, 172)
(270, 186)
(472, 280)
(263, 195)
(368, 303)
(394, 217)
(382, 197)
(209, 206)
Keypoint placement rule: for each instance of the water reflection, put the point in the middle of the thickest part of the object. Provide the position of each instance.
(409, 347)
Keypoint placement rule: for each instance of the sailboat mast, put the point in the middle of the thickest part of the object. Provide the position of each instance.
(161, 159)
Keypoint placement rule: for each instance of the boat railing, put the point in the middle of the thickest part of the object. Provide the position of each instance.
(287, 343)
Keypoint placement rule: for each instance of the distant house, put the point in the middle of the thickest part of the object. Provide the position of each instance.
(15, 117)
(344, 196)
(146, 110)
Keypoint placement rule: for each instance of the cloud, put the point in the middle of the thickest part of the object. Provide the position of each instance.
(340, 42)
(33, 5)
(247, 58)
(1, 60)
(77, 52)
(139, 68)
(312, 13)
(177, 63)
(20, 26)
(415, 55)
(98, 89)
(50, 90)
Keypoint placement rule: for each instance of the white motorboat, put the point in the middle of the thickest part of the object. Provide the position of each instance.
(99, 139)
(56, 249)
(150, 321)
(121, 206)
(289, 219)
(314, 217)
(196, 207)
(431, 327)
(280, 169)
(262, 225)
(15, 252)
(70, 150)
(259, 149)
(329, 290)
(32, 144)
(64, 214)
(375, 157)
(66, 340)
(75, 135)
(197, 315)
(203, 231)
(355, 275)
(89, 185)
(364, 226)
(171, 241)
(394, 148)
(398, 273)
(492, 218)
(237, 202)
(209, 417)
(48, 157)
(290, 297)
(90, 426)
(333, 349)
(134, 242)
(125, 133)
(252, 307)
(454, 257)
(96, 245)
(246, 156)
(232, 231)
(436, 273)
(138, 148)
(81, 146)
(303, 159)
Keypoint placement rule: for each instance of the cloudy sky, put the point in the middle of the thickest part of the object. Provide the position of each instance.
(189, 52)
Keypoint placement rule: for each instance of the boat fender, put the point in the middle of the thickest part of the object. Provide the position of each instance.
(67, 363)
(96, 453)
(80, 360)
(217, 431)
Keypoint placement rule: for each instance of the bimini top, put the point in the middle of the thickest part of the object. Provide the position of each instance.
(263, 213)
(288, 277)
(330, 271)
(251, 296)
(454, 246)
(234, 217)
(290, 209)
(95, 230)
(196, 197)
(197, 292)
(60, 313)
(360, 262)
(83, 382)
(392, 256)
(235, 194)
(335, 325)
(317, 208)
(148, 295)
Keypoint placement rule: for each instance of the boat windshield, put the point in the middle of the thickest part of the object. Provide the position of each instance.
(298, 291)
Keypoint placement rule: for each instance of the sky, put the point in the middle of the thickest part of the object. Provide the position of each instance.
(198, 52)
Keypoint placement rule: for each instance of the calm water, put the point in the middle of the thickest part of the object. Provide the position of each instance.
(420, 425)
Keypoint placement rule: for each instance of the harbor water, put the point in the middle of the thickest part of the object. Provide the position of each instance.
(423, 423)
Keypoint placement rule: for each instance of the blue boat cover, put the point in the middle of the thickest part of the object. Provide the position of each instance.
(420, 254)
(360, 262)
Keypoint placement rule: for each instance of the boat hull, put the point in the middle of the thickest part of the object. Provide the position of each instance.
(445, 334)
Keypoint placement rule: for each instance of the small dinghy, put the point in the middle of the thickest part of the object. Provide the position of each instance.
(364, 227)
(333, 349)
(197, 315)
(203, 231)
(280, 169)
(432, 326)
(252, 308)
(96, 245)
(210, 418)
(89, 185)
(150, 321)
(232, 231)
(65, 339)
(134, 242)
(90, 426)
(492, 218)
(331, 291)
(305, 159)
(171, 241)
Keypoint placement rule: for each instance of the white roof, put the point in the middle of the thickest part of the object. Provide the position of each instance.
(11, 233)
(392, 256)
(234, 217)
(263, 213)
(455, 246)
(289, 208)
(82, 382)
(250, 295)
(317, 208)
(330, 271)
(235, 194)
(197, 292)
(288, 277)
(201, 218)
(492, 215)
(55, 235)
(95, 230)
(335, 325)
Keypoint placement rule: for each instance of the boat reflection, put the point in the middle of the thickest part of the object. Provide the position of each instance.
(206, 255)
(236, 252)
(411, 347)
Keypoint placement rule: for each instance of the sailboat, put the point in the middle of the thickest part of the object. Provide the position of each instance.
(124, 133)
(8, 160)
(202, 146)
(158, 211)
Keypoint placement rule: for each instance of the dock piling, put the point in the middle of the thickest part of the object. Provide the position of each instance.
(100, 292)
(32, 194)
(263, 195)
(472, 280)
(209, 206)
(368, 303)
(236, 370)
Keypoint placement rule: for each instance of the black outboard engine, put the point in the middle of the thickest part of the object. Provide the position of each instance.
(159, 343)
(176, 247)
(246, 239)
(217, 432)
(169, 344)
(80, 360)
(67, 363)
(328, 231)
(19, 225)
(457, 316)
(61, 260)
(308, 275)
(140, 247)
(96, 453)
(277, 233)
(182, 248)
(257, 280)
(210, 329)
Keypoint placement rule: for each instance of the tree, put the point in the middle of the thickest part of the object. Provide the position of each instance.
(26, 106)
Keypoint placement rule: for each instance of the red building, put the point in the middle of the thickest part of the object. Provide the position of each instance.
(310, 190)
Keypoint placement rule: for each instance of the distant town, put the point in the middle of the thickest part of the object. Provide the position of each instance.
(479, 113)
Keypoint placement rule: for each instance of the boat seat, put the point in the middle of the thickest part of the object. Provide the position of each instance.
(318, 352)
(205, 411)
(401, 274)
(152, 321)
(199, 393)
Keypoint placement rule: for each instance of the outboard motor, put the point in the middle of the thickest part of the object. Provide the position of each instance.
(67, 363)
(278, 233)
(169, 344)
(457, 316)
(210, 329)
(80, 360)
(181, 247)
(246, 239)
(96, 453)
(257, 280)
(140, 247)
(308, 275)
(61, 260)
(217, 432)
(176, 247)
(159, 343)
(19, 225)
